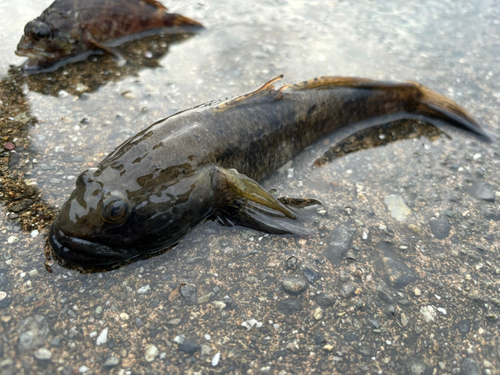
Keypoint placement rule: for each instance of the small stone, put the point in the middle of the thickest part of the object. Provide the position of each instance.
(138, 322)
(189, 347)
(328, 347)
(291, 263)
(341, 242)
(404, 320)
(440, 228)
(33, 332)
(34, 233)
(215, 359)
(469, 367)
(325, 299)
(103, 337)
(174, 322)
(188, 292)
(205, 298)
(289, 306)
(428, 313)
(12, 239)
(347, 290)
(251, 280)
(124, 316)
(179, 339)
(83, 369)
(318, 313)
(205, 350)
(151, 353)
(144, 289)
(417, 292)
(482, 190)
(9, 146)
(112, 361)
(294, 285)
(490, 213)
(55, 342)
(398, 208)
(416, 229)
(43, 354)
(220, 305)
(310, 275)
(98, 310)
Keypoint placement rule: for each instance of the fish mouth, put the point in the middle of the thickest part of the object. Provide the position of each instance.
(34, 54)
(86, 253)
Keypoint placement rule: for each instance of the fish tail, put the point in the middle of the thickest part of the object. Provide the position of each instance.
(177, 20)
(432, 107)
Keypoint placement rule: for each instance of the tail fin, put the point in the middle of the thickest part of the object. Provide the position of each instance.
(177, 20)
(433, 106)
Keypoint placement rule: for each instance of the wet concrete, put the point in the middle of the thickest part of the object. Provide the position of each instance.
(412, 296)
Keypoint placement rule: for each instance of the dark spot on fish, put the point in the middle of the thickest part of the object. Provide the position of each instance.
(311, 110)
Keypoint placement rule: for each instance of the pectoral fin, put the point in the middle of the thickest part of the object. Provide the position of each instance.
(239, 200)
(120, 60)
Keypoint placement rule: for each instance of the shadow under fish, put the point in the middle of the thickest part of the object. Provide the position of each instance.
(72, 30)
(89, 75)
(204, 164)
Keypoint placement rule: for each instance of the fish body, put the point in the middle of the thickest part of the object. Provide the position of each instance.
(205, 163)
(71, 30)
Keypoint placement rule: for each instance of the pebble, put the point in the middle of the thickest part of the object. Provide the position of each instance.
(174, 322)
(179, 339)
(205, 298)
(206, 350)
(289, 306)
(9, 146)
(103, 337)
(310, 275)
(482, 190)
(469, 367)
(12, 239)
(318, 313)
(397, 207)
(34, 233)
(83, 369)
(291, 263)
(144, 289)
(3, 295)
(440, 228)
(417, 292)
(428, 313)
(325, 299)
(151, 353)
(294, 284)
(189, 347)
(220, 305)
(347, 290)
(463, 326)
(33, 333)
(55, 342)
(98, 310)
(112, 361)
(43, 354)
(249, 324)
(393, 268)
(124, 316)
(490, 213)
(188, 292)
(342, 240)
(215, 359)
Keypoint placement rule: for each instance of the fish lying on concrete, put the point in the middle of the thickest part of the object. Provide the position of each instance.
(203, 163)
(71, 30)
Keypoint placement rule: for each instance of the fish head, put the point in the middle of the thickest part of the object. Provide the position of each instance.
(80, 231)
(103, 223)
(45, 44)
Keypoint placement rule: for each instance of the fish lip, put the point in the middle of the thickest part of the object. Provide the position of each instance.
(85, 253)
(34, 54)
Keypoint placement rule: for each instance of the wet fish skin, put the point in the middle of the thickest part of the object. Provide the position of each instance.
(71, 30)
(204, 163)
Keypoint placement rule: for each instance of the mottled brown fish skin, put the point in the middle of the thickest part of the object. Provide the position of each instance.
(73, 29)
(176, 173)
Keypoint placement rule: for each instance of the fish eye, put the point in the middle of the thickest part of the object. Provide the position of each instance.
(41, 31)
(115, 211)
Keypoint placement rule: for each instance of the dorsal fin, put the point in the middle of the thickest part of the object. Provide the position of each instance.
(330, 81)
(265, 89)
(155, 3)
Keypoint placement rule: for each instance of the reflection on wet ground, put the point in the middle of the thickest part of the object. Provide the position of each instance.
(404, 276)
